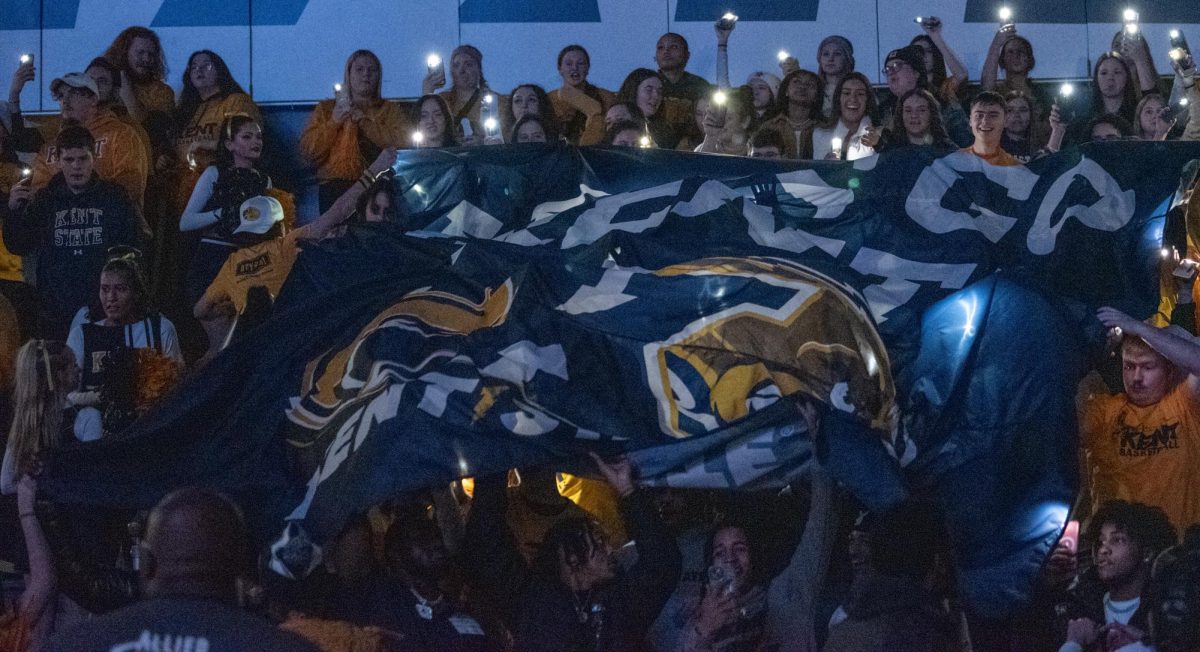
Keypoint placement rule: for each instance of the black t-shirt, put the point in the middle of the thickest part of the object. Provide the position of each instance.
(177, 623)
(689, 87)
(439, 626)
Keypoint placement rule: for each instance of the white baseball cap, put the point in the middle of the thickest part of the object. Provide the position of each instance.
(259, 214)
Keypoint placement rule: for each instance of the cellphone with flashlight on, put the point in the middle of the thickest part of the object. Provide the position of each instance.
(433, 65)
(1179, 45)
(727, 21)
(26, 175)
(718, 107)
(927, 21)
(1065, 100)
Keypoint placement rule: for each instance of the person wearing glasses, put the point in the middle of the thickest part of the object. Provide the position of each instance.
(210, 94)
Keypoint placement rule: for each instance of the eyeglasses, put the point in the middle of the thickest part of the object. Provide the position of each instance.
(894, 66)
(201, 67)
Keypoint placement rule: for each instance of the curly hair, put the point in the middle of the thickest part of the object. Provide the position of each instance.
(118, 52)
(571, 541)
(1147, 525)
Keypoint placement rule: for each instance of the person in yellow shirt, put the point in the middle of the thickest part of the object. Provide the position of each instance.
(120, 151)
(1143, 445)
(268, 264)
(11, 173)
(578, 105)
(345, 133)
(210, 94)
(137, 55)
(466, 94)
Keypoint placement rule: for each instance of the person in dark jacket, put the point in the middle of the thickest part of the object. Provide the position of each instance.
(416, 599)
(1104, 608)
(69, 225)
(575, 597)
(189, 566)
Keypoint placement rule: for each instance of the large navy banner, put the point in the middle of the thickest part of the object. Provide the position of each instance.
(535, 303)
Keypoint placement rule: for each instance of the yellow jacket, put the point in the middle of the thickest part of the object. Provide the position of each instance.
(204, 129)
(122, 155)
(10, 263)
(155, 96)
(593, 129)
(334, 146)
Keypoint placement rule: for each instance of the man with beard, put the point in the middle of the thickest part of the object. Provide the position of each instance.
(1143, 445)
(137, 53)
(415, 600)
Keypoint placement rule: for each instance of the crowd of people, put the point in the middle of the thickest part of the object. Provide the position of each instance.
(142, 234)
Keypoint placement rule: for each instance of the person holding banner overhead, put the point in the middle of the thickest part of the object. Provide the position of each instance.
(268, 264)
(345, 133)
(575, 595)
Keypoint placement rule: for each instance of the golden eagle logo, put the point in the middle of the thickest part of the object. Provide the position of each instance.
(819, 344)
(347, 374)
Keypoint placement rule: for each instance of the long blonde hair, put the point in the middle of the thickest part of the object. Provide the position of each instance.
(39, 395)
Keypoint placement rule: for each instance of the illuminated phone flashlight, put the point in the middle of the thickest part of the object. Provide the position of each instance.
(719, 98)
(418, 138)
(490, 126)
(433, 61)
(26, 173)
(1066, 90)
(337, 88)
(836, 144)
(1183, 101)
(26, 58)
(782, 56)
(1175, 53)
(644, 142)
(1131, 21)
(1005, 14)
(729, 17)
(920, 20)
(488, 99)
(1173, 34)
(1165, 252)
